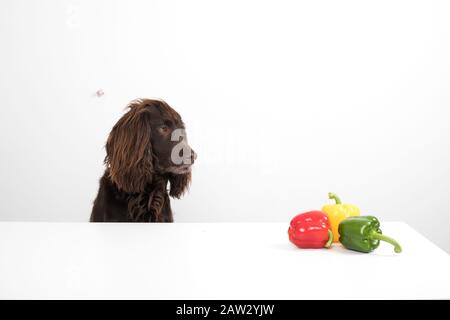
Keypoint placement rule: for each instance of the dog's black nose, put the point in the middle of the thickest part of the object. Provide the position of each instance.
(193, 156)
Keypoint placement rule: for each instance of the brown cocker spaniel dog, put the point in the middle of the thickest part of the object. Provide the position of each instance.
(146, 150)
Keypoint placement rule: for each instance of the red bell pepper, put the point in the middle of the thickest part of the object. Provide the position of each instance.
(311, 230)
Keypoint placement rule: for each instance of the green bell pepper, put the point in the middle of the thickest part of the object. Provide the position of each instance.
(363, 234)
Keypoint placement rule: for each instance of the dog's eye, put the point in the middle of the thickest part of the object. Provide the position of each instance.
(164, 128)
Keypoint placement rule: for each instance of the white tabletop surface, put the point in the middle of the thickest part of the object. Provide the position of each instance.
(209, 261)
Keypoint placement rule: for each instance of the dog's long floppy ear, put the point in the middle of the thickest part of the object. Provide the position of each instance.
(179, 184)
(129, 157)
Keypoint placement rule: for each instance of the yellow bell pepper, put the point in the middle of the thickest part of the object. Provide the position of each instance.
(338, 212)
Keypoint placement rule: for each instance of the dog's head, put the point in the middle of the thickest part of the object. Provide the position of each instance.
(149, 140)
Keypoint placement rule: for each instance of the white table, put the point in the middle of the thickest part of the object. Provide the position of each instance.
(209, 261)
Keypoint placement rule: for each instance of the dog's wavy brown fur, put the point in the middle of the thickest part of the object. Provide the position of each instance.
(134, 185)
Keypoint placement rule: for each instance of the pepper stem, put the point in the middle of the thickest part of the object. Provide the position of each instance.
(379, 236)
(330, 239)
(334, 197)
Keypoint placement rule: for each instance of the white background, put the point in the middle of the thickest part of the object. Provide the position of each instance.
(284, 101)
